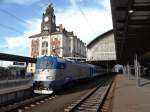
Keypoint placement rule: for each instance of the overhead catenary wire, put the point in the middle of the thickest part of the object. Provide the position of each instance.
(23, 21)
(16, 17)
(10, 28)
(82, 12)
(12, 15)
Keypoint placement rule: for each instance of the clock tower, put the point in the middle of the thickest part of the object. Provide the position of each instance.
(48, 21)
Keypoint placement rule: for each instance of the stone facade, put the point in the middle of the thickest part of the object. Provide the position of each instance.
(54, 40)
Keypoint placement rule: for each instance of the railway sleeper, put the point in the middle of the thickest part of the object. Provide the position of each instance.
(94, 99)
(91, 101)
(88, 106)
(96, 103)
(83, 111)
(92, 104)
(73, 104)
(95, 96)
(86, 109)
(98, 93)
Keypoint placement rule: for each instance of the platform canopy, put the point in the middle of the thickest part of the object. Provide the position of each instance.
(131, 22)
(10, 57)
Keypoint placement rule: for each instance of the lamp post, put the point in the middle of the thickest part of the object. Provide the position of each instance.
(137, 70)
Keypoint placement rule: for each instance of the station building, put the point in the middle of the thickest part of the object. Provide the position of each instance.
(102, 48)
(54, 40)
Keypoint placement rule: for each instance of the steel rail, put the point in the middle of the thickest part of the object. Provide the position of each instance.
(22, 104)
(93, 100)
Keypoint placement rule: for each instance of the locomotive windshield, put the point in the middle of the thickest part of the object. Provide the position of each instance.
(44, 63)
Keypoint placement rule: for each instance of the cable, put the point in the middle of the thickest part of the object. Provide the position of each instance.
(10, 28)
(90, 26)
(13, 29)
(12, 15)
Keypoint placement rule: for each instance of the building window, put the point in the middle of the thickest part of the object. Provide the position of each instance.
(32, 49)
(44, 52)
(44, 44)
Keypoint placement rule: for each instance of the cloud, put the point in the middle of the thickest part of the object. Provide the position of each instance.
(19, 44)
(33, 26)
(20, 2)
(88, 22)
(73, 3)
(14, 42)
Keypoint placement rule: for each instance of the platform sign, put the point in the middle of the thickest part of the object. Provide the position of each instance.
(18, 63)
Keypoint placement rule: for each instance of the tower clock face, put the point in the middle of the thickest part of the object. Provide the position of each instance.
(46, 19)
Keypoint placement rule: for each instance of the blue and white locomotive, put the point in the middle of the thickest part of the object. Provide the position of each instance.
(54, 73)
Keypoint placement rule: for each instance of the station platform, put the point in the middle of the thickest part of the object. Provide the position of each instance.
(18, 93)
(13, 83)
(128, 97)
(14, 89)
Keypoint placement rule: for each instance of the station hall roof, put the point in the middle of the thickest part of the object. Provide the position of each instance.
(131, 23)
(105, 63)
(98, 37)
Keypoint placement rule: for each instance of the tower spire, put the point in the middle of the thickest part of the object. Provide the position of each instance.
(50, 9)
(48, 20)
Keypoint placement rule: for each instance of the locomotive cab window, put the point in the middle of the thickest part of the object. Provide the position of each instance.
(44, 63)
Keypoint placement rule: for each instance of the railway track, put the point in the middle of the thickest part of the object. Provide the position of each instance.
(26, 104)
(93, 100)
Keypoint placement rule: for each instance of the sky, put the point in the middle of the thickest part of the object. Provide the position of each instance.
(20, 19)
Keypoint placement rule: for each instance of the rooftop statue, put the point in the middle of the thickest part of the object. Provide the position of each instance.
(50, 9)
